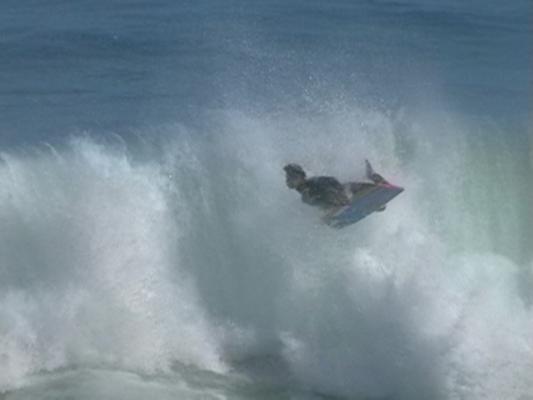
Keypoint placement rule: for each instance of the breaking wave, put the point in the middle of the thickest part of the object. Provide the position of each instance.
(184, 247)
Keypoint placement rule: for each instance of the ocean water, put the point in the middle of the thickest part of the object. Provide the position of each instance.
(150, 249)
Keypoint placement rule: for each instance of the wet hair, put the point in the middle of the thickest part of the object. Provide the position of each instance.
(294, 170)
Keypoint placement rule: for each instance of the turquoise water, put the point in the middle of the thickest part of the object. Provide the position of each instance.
(149, 246)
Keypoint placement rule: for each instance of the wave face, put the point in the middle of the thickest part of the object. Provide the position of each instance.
(187, 251)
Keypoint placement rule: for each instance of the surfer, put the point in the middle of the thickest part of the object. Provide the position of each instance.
(326, 192)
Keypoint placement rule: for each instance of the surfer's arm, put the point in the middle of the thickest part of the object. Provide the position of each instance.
(307, 197)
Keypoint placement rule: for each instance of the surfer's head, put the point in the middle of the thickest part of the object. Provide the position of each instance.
(294, 175)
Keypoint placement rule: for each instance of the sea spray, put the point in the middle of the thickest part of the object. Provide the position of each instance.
(87, 267)
(187, 249)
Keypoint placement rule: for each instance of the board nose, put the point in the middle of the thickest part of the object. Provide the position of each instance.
(399, 189)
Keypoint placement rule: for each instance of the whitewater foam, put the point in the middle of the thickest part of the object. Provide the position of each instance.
(88, 273)
(194, 252)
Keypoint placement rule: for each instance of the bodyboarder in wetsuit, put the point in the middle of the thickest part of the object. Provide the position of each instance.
(326, 192)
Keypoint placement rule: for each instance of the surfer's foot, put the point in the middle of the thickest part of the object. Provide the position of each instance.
(377, 178)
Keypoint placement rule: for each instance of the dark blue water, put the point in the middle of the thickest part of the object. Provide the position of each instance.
(150, 249)
(119, 65)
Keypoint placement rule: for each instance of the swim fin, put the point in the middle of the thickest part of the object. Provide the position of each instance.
(369, 170)
(372, 175)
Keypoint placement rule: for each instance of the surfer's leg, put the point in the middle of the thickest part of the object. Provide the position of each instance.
(355, 187)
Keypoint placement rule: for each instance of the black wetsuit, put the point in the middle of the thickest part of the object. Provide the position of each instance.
(323, 191)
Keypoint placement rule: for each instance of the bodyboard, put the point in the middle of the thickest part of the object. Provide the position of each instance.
(368, 200)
